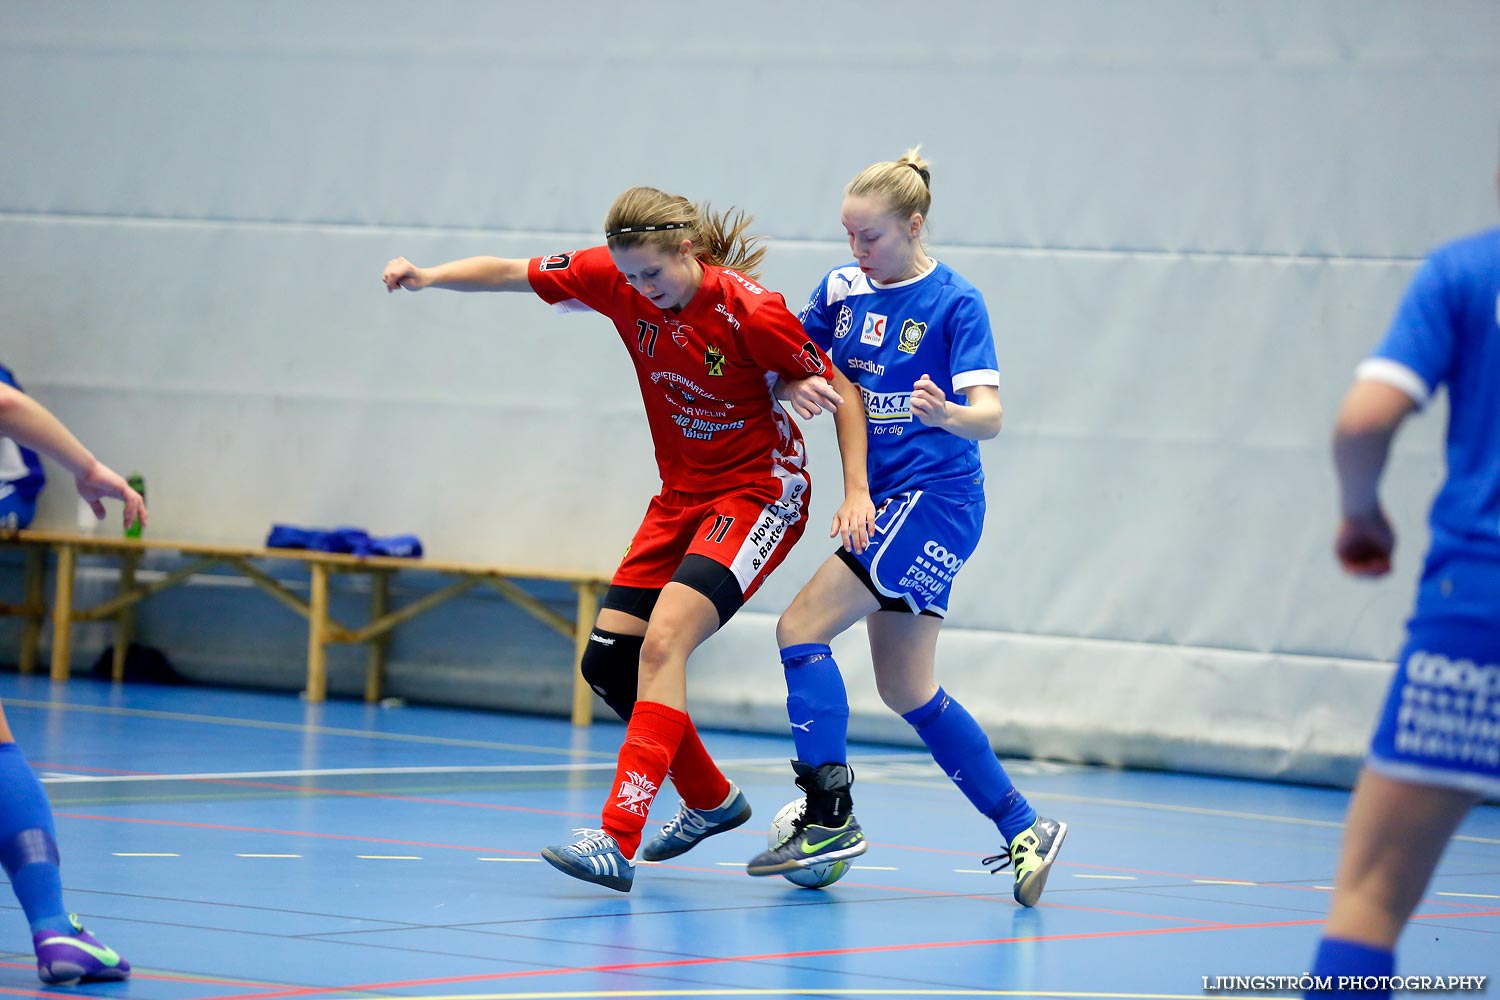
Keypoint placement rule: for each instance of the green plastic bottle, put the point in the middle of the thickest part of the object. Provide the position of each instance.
(136, 482)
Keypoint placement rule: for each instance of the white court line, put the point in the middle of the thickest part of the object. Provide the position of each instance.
(1221, 881)
(1470, 895)
(52, 776)
(268, 855)
(143, 854)
(387, 857)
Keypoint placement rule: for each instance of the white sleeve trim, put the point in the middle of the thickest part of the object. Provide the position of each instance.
(979, 376)
(1396, 375)
(571, 306)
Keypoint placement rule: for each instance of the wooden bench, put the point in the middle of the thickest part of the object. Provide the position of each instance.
(322, 629)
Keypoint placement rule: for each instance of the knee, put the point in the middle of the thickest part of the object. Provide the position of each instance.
(900, 696)
(658, 651)
(611, 665)
(794, 627)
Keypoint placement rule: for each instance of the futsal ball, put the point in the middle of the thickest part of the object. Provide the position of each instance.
(814, 876)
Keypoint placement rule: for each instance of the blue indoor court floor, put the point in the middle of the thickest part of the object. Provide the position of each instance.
(247, 846)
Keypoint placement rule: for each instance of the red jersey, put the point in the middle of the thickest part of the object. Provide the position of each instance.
(706, 373)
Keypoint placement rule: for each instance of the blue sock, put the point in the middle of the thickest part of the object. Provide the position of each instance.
(28, 845)
(1337, 957)
(816, 704)
(964, 752)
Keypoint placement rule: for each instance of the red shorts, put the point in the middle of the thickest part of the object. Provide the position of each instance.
(749, 531)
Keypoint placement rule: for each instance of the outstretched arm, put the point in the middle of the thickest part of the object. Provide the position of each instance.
(1362, 434)
(471, 274)
(32, 425)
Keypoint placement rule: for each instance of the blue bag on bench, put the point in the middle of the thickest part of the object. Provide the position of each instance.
(347, 541)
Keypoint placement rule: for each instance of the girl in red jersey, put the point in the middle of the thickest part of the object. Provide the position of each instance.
(712, 350)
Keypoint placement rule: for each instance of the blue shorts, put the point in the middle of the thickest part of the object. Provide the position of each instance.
(921, 541)
(14, 512)
(1441, 722)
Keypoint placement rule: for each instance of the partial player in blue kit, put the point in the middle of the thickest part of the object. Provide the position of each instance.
(65, 952)
(914, 337)
(1436, 747)
(21, 474)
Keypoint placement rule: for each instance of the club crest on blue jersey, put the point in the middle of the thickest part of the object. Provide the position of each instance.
(911, 336)
(843, 324)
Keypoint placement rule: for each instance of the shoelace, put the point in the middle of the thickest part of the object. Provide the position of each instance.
(687, 818)
(1004, 863)
(593, 840)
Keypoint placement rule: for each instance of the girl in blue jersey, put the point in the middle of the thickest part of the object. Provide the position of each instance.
(914, 337)
(1436, 748)
(65, 952)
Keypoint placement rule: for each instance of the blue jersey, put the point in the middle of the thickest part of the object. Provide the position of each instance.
(21, 474)
(1447, 332)
(885, 337)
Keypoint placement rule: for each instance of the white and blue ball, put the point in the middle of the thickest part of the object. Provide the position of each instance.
(814, 876)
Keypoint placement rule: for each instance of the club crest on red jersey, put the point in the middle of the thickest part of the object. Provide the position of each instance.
(714, 359)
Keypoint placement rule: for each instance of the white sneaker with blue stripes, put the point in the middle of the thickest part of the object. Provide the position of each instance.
(595, 857)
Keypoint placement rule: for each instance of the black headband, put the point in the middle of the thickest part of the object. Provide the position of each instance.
(659, 227)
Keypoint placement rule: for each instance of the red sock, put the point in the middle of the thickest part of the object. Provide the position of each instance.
(651, 740)
(698, 779)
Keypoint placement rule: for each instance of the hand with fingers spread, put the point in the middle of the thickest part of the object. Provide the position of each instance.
(854, 521)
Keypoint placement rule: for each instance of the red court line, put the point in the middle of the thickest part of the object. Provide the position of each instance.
(782, 956)
(735, 959)
(134, 974)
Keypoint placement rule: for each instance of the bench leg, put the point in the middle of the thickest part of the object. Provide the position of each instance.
(380, 598)
(62, 613)
(31, 630)
(125, 619)
(317, 627)
(583, 695)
